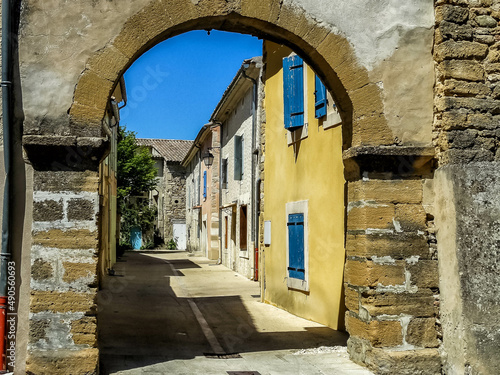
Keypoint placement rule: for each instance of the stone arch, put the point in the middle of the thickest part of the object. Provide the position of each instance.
(374, 341)
(330, 54)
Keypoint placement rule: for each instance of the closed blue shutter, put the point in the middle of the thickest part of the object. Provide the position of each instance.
(296, 267)
(293, 91)
(320, 98)
(205, 185)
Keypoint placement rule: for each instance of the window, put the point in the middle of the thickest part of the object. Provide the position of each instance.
(238, 157)
(224, 173)
(243, 227)
(297, 245)
(225, 232)
(320, 100)
(159, 167)
(293, 91)
(205, 185)
(296, 266)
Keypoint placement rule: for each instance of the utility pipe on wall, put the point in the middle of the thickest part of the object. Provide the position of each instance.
(7, 120)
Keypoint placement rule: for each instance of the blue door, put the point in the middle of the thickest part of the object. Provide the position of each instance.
(136, 238)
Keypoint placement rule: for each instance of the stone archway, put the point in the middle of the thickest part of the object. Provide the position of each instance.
(375, 339)
(330, 54)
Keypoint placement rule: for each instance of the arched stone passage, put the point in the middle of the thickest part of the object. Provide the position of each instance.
(330, 54)
(395, 203)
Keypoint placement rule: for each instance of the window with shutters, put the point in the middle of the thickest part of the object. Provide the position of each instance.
(238, 157)
(224, 173)
(297, 245)
(296, 265)
(205, 185)
(293, 92)
(320, 99)
(243, 227)
(226, 230)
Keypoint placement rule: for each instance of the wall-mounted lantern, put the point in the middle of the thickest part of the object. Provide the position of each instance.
(208, 159)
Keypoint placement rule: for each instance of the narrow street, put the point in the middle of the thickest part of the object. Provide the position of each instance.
(169, 313)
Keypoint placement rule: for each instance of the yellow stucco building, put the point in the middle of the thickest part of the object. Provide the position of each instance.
(304, 211)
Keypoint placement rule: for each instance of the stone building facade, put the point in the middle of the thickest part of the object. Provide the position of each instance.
(416, 87)
(202, 193)
(239, 112)
(170, 193)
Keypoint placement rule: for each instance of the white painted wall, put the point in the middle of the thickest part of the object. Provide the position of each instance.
(239, 123)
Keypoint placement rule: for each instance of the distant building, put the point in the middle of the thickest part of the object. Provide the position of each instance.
(239, 113)
(170, 194)
(202, 192)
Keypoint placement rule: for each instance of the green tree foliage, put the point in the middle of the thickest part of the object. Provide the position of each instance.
(136, 175)
(136, 172)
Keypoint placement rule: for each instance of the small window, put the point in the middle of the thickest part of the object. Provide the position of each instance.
(238, 157)
(226, 227)
(320, 99)
(243, 227)
(293, 92)
(224, 173)
(296, 265)
(159, 167)
(297, 245)
(205, 185)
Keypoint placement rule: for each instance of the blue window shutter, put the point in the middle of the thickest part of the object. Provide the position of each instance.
(204, 184)
(320, 98)
(293, 91)
(238, 157)
(296, 268)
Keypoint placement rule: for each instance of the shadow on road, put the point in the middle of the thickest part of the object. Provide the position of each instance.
(142, 321)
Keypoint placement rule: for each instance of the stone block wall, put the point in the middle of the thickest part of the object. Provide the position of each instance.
(391, 273)
(467, 140)
(63, 326)
(467, 101)
(175, 196)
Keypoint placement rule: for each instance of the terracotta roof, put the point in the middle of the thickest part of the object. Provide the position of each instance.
(171, 149)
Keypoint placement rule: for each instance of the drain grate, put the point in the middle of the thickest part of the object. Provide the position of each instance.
(243, 372)
(222, 356)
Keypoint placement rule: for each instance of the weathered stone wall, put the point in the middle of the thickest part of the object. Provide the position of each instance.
(193, 200)
(174, 205)
(466, 133)
(391, 271)
(64, 250)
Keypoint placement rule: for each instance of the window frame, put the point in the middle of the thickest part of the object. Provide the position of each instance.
(204, 185)
(243, 240)
(299, 207)
(238, 157)
(224, 169)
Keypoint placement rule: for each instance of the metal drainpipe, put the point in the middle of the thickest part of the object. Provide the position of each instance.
(6, 111)
(254, 120)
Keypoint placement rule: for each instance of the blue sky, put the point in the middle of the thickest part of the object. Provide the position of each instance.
(174, 87)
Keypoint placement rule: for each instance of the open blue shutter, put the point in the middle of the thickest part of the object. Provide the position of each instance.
(293, 91)
(204, 184)
(296, 267)
(320, 98)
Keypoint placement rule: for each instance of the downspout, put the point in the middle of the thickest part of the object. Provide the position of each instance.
(7, 112)
(254, 156)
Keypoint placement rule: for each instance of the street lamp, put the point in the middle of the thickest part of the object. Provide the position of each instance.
(208, 159)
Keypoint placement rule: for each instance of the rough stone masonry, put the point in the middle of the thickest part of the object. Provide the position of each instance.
(466, 135)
